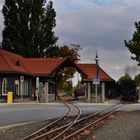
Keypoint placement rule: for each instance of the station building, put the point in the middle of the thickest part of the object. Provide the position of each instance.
(26, 78)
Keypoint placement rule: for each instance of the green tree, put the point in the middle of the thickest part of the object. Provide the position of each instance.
(127, 85)
(29, 27)
(72, 52)
(137, 79)
(134, 44)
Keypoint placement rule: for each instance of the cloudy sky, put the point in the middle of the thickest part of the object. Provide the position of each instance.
(98, 25)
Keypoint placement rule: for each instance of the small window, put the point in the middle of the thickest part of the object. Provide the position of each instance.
(4, 86)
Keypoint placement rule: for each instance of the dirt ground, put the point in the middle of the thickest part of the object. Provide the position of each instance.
(121, 126)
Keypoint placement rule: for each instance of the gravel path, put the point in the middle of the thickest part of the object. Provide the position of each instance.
(120, 126)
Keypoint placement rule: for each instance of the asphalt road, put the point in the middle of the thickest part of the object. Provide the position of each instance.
(11, 114)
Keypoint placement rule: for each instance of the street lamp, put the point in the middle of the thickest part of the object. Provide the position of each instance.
(97, 76)
(97, 66)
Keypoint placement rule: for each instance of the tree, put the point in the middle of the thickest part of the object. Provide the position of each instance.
(29, 27)
(137, 79)
(71, 52)
(66, 73)
(134, 44)
(127, 85)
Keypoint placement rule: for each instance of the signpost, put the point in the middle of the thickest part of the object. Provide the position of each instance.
(21, 86)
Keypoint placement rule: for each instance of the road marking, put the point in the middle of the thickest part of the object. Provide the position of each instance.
(18, 124)
(30, 109)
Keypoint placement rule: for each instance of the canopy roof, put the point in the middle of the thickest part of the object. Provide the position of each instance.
(90, 71)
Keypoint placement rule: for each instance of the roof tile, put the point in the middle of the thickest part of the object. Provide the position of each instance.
(90, 70)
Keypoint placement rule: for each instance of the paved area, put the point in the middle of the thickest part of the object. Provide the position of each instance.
(20, 113)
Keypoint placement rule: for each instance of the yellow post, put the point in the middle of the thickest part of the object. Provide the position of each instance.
(10, 97)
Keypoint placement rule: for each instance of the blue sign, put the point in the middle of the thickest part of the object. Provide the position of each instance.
(96, 81)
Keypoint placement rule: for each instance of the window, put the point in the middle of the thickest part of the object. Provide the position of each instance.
(4, 86)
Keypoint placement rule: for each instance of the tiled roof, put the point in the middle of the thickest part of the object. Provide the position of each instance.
(8, 62)
(41, 66)
(90, 71)
(13, 63)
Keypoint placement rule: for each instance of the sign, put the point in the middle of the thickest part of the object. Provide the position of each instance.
(96, 81)
(21, 78)
(37, 82)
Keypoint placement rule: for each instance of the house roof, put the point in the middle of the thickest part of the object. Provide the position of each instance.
(47, 66)
(8, 62)
(90, 71)
(13, 63)
(41, 66)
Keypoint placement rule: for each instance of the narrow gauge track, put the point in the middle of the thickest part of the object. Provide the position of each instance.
(71, 130)
(50, 130)
(89, 122)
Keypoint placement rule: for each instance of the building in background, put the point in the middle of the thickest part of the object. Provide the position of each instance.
(27, 78)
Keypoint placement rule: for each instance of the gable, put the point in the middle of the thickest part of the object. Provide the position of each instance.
(90, 70)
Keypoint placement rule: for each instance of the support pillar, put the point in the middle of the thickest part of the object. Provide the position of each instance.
(89, 92)
(46, 92)
(37, 89)
(96, 93)
(139, 94)
(103, 92)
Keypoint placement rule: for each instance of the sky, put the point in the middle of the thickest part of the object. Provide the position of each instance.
(98, 25)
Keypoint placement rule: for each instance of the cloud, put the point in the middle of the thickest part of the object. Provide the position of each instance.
(90, 28)
(98, 25)
(101, 27)
(114, 61)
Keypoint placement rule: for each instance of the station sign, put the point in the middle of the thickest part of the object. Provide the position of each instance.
(21, 78)
(96, 81)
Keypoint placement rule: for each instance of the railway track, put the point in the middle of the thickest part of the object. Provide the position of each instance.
(72, 128)
(89, 123)
(53, 129)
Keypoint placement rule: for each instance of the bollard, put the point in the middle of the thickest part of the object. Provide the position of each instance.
(10, 97)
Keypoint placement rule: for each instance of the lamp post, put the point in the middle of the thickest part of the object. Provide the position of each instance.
(97, 76)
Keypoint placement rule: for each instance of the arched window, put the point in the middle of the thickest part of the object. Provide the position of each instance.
(4, 86)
